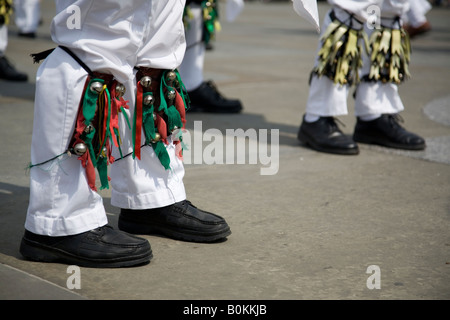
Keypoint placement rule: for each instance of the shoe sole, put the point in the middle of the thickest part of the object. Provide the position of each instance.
(370, 140)
(309, 142)
(186, 235)
(35, 251)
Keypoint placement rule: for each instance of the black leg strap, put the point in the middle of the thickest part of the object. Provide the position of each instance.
(37, 57)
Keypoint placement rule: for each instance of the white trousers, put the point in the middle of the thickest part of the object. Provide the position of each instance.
(416, 16)
(372, 98)
(27, 14)
(191, 69)
(131, 33)
(3, 40)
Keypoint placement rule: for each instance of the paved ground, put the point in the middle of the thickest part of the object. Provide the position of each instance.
(310, 231)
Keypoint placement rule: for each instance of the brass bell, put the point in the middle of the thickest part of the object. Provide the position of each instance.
(96, 87)
(171, 95)
(148, 100)
(171, 76)
(120, 90)
(146, 81)
(157, 137)
(80, 149)
(89, 128)
(103, 153)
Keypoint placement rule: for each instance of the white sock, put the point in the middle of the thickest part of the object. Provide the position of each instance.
(311, 117)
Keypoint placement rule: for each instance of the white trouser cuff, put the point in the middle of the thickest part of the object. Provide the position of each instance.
(376, 97)
(61, 202)
(145, 183)
(326, 98)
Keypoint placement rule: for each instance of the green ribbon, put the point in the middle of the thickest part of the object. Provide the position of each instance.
(168, 107)
(99, 160)
(209, 22)
(160, 149)
(148, 123)
(89, 107)
(102, 160)
(173, 116)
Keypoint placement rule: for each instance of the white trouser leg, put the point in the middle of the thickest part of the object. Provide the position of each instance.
(191, 69)
(325, 98)
(3, 40)
(145, 183)
(374, 98)
(416, 16)
(140, 33)
(27, 15)
(61, 202)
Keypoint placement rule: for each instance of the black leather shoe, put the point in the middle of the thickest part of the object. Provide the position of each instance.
(207, 98)
(103, 247)
(180, 221)
(386, 131)
(8, 72)
(324, 135)
(30, 35)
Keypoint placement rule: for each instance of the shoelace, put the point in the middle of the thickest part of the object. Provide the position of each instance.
(395, 120)
(333, 125)
(340, 121)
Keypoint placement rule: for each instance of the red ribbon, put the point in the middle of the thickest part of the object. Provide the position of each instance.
(103, 129)
(90, 170)
(179, 105)
(87, 164)
(162, 127)
(137, 141)
(114, 121)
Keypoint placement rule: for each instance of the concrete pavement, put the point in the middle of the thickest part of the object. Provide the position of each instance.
(312, 230)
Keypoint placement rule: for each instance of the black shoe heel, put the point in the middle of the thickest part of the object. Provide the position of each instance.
(35, 253)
